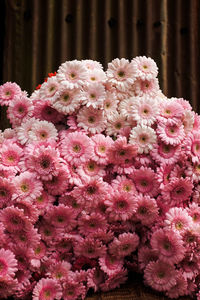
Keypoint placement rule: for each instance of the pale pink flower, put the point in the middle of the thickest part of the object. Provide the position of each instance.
(110, 103)
(96, 75)
(47, 288)
(73, 73)
(146, 87)
(147, 209)
(121, 206)
(43, 131)
(170, 131)
(165, 153)
(144, 137)
(120, 151)
(178, 219)
(77, 148)
(146, 67)
(49, 88)
(169, 245)
(9, 91)
(123, 184)
(91, 120)
(91, 64)
(110, 264)
(66, 100)
(94, 95)
(115, 123)
(10, 156)
(144, 110)
(27, 186)
(160, 275)
(171, 109)
(121, 73)
(124, 245)
(101, 145)
(23, 131)
(8, 263)
(188, 121)
(90, 169)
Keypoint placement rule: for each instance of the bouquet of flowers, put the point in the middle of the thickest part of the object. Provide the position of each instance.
(99, 175)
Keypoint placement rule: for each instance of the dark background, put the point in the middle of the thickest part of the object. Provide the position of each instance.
(37, 36)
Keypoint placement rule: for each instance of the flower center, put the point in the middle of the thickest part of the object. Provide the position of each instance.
(77, 148)
(179, 225)
(142, 210)
(143, 183)
(65, 97)
(118, 125)
(3, 193)
(45, 163)
(93, 96)
(102, 148)
(72, 75)
(91, 119)
(24, 187)
(121, 73)
(121, 204)
(91, 190)
(43, 135)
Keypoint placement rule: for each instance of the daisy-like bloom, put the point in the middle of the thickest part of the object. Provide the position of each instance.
(144, 110)
(44, 161)
(144, 137)
(178, 219)
(194, 211)
(77, 148)
(59, 183)
(121, 73)
(110, 264)
(121, 206)
(188, 121)
(49, 88)
(24, 130)
(169, 245)
(65, 242)
(25, 238)
(165, 153)
(110, 103)
(47, 288)
(119, 152)
(163, 174)
(103, 235)
(59, 270)
(147, 210)
(39, 251)
(91, 192)
(177, 191)
(160, 275)
(73, 73)
(145, 255)
(20, 109)
(48, 232)
(123, 184)
(146, 87)
(145, 181)
(6, 192)
(180, 288)
(115, 123)
(90, 248)
(94, 278)
(8, 263)
(73, 289)
(71, 201)
(61, 216)
(10, 155)
(27, 186)
(192, 144)
(96, 75)
(13, 219)
(101, 145)
(94, 95)
(43, 202)
(42, 131)
(193, 171)
(146, 67)
(91, 120)
(66, 100)
(44, 111)
(92, 64)
(8, 286)
(89, 223)
(9, 91)
(170, 131)
(115, 280)
(171, 109)
(90, 169)
(124, 245)
(30, 210)
(125, 108)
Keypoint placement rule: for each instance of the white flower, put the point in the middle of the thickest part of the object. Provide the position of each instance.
(144, 137)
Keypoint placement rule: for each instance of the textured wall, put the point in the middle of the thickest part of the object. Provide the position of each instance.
(40, 35)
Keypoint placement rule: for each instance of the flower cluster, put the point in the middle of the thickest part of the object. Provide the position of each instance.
(99, 175)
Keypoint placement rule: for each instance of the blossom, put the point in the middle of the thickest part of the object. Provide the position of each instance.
(178, 219)
(165, 153)
(73, 289)
(91, 119)
(13, 219)
(43, 131)
(44, 111)
(90, 248)
(115, 123)
(110, 264)
(124, 245)
(146, 87)
(89, 223)
(47, 288)
(94, 95)
(6, 192)
(180, 288)
(49, 88)
(144, 137)
(59, 182)
(10, 156)
(9, 91)
(123, 184)
(8, 263)
(146, 67)
(171, 131)
(146, 209)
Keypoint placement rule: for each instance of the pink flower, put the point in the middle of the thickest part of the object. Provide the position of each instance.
(8, 286)
(73, 289)
(160, 275)
(77, 148)
(171, 131)
(178, 219)
(124, 245)
(145, 255)
(146, 67)
(49, 88)
(44, 111)
(8, 264)
(10, 155)
(115, 123)
(9, 91)
(6, 192)
(146, 87)
(91, 120)
(59, 183)
(101, 146)
(124, 184)
(43, 131)
(144, 137)
(180, 288)
(110, 264)
(59, 271)
(146, 209)
(121, 206)
(90, 248)
(94, 278)
(94, 95)
(115, 280)
(169, 245)
(171, 109)
(43, 202)
(165, 153)
(90, 169)
(47, 288)
(90, 223)
(121, 73)
(13, 219)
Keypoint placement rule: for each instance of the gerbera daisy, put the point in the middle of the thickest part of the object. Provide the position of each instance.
(90, 248)
(66, 100)
(60, 182)
(24, 129)
(90, 169)
(59, 271)
(47, 288)
(180, 288)
(169, 245)
(124, 245)
(8, 263)
(13, 219)
(96, 75)
(30, 210)
(110, 103)
(121, 73)
(145, 255)
(160, 275)
(123, 184)
(6, 192)
(43, 131)
(144, 137)
(94, 278)
(101, 145)
(163, 174)
(49, 88)
(110, 264)
(10, 155)
(115, 280)
(146, 67)
(146, 210)
(73, 73)
(89, 223)
(115, 123)
(178, 219)
(146, 87)
(188, 121)
(170, 131)
(73, 289)
(91, 120)
(8, 287)
(165, 153)
(9, 91)
(44, 111)
(43, 202)
(94, 95)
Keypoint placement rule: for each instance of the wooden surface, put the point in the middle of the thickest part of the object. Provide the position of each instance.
(134, 289)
